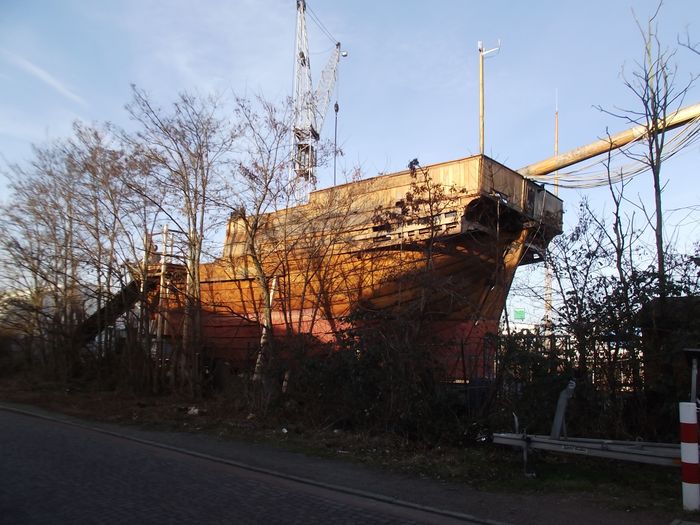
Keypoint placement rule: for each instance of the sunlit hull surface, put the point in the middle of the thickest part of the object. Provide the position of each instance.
(350, 261)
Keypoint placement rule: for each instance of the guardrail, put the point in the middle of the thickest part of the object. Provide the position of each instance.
(666, 454)
(684, 455)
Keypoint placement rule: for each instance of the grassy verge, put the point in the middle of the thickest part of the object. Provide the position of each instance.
(483, 466)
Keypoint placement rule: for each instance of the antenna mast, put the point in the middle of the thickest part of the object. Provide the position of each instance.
(548, 265)
(482, 54)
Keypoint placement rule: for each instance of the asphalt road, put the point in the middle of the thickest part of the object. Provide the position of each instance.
(56, 473)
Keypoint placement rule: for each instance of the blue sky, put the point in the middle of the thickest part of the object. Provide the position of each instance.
(409, 87)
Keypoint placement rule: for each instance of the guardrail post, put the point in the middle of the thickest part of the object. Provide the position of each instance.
(559, 423)
(690, 473)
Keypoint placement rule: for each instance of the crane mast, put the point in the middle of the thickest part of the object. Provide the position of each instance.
(310, 107)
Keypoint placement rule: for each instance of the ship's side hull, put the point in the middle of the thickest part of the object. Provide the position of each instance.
(351, 261)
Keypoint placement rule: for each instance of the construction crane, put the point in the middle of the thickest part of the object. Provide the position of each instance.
(310, 107)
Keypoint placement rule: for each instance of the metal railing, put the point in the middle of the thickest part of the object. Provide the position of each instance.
(666, 454)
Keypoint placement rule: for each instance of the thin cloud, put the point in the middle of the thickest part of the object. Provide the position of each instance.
(191, 56)
(42, 75)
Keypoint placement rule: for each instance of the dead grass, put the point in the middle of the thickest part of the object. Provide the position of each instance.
(480, 465)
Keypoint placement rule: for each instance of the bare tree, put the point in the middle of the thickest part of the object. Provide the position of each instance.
(186, 149)
(109, 216)
(38, 235)
(423, 203)
(655, 84)
(264, 186)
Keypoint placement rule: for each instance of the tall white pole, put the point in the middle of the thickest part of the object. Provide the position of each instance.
(556, 140)
(548, 267)
(482, 54)
(481, 98)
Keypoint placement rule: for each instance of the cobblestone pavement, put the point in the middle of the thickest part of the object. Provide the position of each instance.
(54, 473)
(51, 472)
